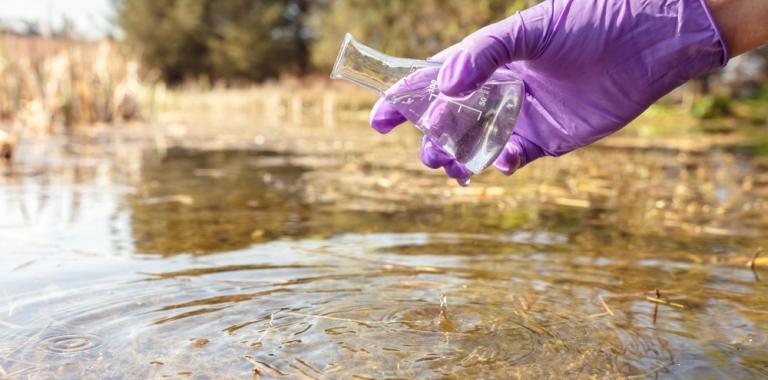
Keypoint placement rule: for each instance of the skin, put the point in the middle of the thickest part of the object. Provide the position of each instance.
(743, 23)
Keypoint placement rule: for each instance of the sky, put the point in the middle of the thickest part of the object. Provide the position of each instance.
(91, 17)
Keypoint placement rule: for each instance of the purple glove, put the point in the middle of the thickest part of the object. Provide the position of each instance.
(590, 67)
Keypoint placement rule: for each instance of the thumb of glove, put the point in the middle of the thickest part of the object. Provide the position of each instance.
(517, 153)
(479, 55)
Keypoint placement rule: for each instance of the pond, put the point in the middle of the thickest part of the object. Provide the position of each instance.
(275, 257)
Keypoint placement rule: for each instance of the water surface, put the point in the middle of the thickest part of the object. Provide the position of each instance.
(327, 258)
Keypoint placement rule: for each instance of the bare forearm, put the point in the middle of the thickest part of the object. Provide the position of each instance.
(744, 23)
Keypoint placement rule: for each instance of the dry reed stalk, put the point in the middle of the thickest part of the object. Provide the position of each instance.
(374, 323)
(48, 84)
(642, 293)
(7, 145)
(605, 306)
(665, 302)
(270, 325)
(753, 260)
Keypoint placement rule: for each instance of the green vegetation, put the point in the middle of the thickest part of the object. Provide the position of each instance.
(245, 40)
(404, 28)
(217, 39)
(710, 107)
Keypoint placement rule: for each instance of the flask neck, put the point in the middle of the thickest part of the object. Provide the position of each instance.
(372, 69)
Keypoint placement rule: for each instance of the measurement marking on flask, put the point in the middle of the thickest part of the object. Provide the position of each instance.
(461, 106)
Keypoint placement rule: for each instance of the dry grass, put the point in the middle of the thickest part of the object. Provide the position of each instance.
(311, 101)
(7, 145)
(52, 84)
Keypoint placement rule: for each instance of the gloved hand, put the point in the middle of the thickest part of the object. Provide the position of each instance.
(589, 66)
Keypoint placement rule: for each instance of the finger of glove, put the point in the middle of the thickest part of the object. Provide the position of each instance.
(484, 51)
(435, 157)
(384, 116)
(458, 171)
(517, 153)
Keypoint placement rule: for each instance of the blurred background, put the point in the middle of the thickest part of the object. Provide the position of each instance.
(72, 64)
(186, 194)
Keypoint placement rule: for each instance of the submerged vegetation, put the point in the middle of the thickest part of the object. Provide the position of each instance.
(248, 223)
(323, 252)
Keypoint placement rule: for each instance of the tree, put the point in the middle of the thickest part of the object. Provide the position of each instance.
(258, 39)
(218, 39)
(405, 28)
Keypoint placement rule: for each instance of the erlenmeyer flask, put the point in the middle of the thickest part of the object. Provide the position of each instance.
(473, 128)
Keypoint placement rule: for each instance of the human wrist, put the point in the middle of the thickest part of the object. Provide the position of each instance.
(741, 22)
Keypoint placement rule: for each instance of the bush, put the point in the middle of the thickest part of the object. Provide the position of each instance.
(711, 107)
(406, 28)
(228, 40)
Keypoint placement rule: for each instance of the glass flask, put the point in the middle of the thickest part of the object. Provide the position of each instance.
(473, 128)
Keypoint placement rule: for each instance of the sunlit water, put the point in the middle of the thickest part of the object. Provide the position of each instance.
(324, 261)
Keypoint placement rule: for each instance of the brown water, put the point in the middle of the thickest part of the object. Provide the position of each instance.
(331, 259)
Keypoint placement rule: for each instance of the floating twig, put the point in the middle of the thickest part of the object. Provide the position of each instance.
(269, 326)
(371, 323)
(260, 367)
(304, 363)
(642, 293)
(598, 315)
(756, 311)
(665, 302)
(605, 306)
(523, 303)
(752, 261)
(24, 265)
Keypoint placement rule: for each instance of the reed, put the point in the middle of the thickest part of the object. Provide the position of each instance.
(7, 145)
(313, 101)
(49, 84)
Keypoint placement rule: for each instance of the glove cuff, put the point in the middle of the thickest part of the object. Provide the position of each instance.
(718, 34)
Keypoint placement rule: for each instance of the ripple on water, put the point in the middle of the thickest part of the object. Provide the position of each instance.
(420, 335)
(471, 334)
(339, 316)
(404, 328)
(64, 344)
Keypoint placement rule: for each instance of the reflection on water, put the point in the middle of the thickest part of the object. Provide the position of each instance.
(313, 262)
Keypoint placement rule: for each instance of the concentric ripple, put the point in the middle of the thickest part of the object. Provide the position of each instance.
(292, 308)
(470, 334)
(64, 344)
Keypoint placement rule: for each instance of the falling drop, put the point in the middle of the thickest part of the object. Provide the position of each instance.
(445, 323)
